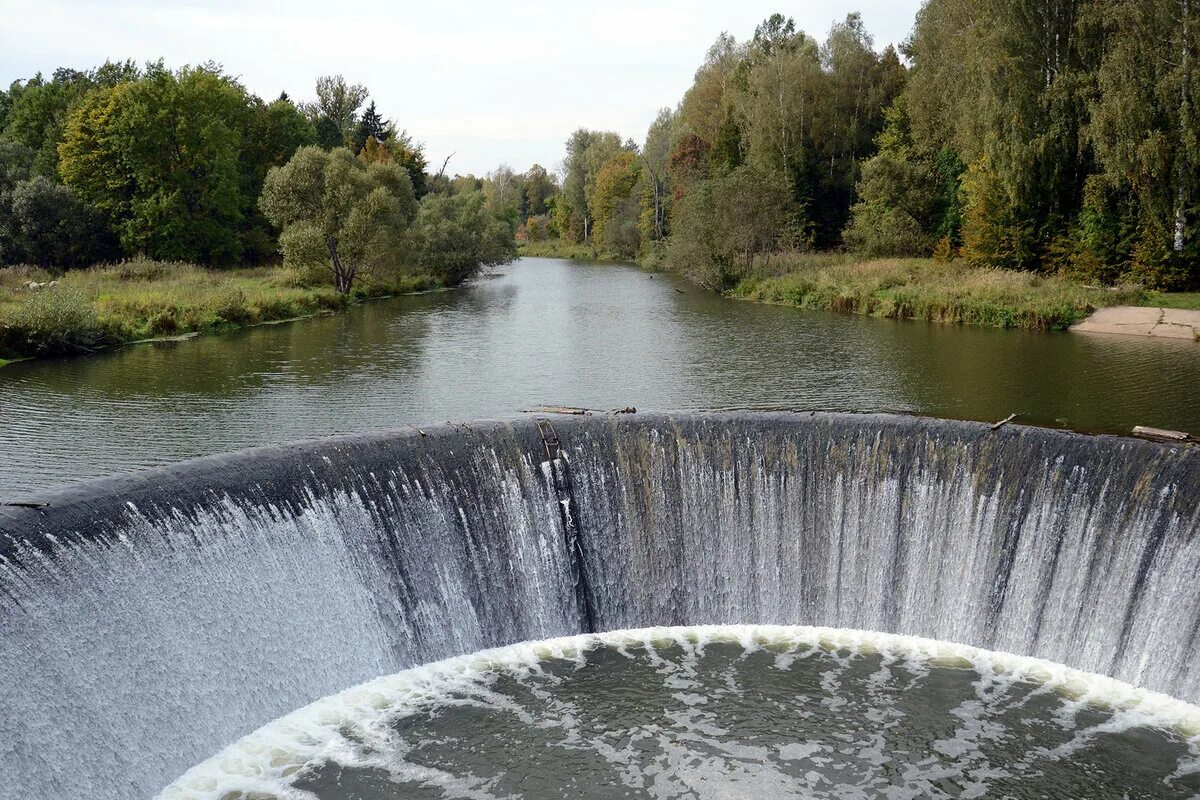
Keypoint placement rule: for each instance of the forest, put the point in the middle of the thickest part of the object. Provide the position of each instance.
(1051, 136)
(158, 202)
(172, 165)
(1022, 154)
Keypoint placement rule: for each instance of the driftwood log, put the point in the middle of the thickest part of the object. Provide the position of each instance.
(1161, 435)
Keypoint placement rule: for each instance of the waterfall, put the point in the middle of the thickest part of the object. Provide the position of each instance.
(148, 620)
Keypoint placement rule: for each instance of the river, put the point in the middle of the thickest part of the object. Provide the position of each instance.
(545, 331)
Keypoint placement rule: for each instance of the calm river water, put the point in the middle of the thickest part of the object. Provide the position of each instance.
(544, 331)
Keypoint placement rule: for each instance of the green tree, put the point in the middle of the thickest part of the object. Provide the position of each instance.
(655, 156)
(275, 132)
(540, 186)
(410, 155)
(504, 192)
(1146, 132)
(16, 164)
(5, 107)
(50, 227)
(724, 224)
(39, 108)
(332, 209)
(781, 103)
(454, 237)
(902, 207)
(335, 112)
(160, 158)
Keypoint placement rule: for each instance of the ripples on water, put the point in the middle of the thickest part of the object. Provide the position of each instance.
(546, 331)
(722, 713)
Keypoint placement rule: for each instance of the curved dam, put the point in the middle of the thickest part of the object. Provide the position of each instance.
(149, 620)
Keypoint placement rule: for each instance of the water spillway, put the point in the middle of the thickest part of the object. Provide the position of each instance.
(148, 620)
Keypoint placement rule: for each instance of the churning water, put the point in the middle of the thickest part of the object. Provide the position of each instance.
(726, 712)
(149, 620)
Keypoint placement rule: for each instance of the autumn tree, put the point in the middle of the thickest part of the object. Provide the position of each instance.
(587, 152)
(613, 192)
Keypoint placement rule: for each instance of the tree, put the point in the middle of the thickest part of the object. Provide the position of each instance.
(898, 211)
(1146, 132)
(50, 227)
(587, 152)
(333, 209)
(329, 135)
(780, 105)
(504, 194)
(38, 109)
(537, 228)
(5, 107)
(161, 159)
(707, 107)
(614, 185)
(274, 132)
(454, 237)
(277, 130)
(336, 108)
(655, 157)
(410, 155)
(724, 224)
(370, 127)
(16, 163)
(539, 188)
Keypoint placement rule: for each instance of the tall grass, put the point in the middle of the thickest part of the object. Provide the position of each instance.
(924, 289)
(142, 299)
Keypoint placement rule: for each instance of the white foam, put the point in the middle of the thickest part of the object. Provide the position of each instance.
(357, 719)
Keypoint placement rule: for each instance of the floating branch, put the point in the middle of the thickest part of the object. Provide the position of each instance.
(1004, 421)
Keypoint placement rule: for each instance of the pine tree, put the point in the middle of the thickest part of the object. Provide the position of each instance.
(370, 126)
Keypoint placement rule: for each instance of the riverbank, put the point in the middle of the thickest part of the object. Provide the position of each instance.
(935, 291)
(561, 248)
(86, 310)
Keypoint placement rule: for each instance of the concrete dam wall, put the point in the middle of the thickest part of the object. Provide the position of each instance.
(147, 620)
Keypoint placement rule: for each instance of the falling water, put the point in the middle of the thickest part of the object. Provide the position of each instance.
(149, 620)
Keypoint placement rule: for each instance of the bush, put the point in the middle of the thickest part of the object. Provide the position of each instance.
(53, 321)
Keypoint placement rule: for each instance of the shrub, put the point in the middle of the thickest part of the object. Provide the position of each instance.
(51, 322)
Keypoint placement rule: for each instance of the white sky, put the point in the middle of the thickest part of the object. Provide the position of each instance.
(491, 81)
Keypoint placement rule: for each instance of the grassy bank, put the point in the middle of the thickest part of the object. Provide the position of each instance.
(141, 299)
(924, 289)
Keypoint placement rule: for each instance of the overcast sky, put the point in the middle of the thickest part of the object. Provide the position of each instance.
(492, 82)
